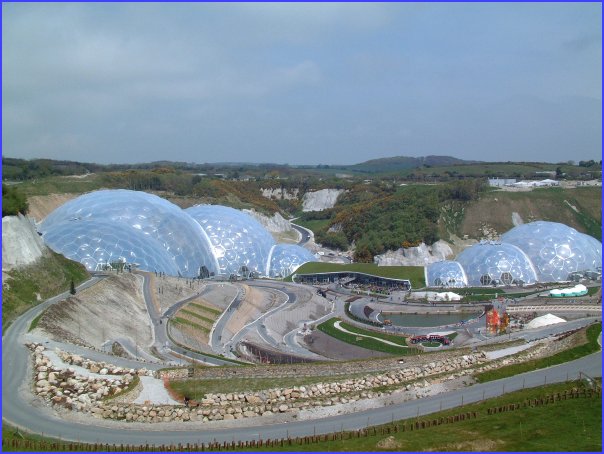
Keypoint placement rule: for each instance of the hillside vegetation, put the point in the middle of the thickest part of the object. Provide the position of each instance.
(30, 285)
(579, 208)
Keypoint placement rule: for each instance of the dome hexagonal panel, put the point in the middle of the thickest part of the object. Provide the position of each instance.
(237, 239)
(496, 263)
(173, 232)
(555, 249)
(287, 258)
(447, 273)
(98, 243)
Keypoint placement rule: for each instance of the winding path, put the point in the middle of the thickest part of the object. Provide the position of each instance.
(19, 408)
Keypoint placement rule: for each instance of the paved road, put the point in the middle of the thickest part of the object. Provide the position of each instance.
(305, 233)
(169, 350)
(256, 324)
(17, 412)
(16, 409)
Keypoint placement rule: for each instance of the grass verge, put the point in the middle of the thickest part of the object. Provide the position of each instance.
(30, 285)
(579, 351)
(565, 425)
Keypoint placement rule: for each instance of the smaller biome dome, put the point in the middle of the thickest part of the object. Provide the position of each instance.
(238, 241)
(446, 273)
(287, 258)
(496, 264)
(555, 249)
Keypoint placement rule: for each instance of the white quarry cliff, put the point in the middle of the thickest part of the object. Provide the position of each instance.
(21, 244)
(415, 256)
(320, 200)
(274, 224)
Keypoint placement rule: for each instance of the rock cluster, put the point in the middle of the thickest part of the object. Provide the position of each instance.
(65, 388)
(87, 394)
(101, 368)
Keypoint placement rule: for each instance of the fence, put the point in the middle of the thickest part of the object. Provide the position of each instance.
(406, 426)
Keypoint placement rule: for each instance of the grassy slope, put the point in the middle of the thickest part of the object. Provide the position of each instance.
(414, 273)
(547, 204)
(51, 275)
(566, 425)
(571, 354)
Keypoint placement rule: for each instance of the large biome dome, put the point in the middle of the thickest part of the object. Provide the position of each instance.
(555, 249)
(134, 218)
(104, 227)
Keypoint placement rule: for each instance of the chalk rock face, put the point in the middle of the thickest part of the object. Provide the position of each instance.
(21, 244)
(415, 256)
(320, 200)
(274, 224)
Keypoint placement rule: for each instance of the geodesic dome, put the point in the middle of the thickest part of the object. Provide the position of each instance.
(130, 226)
(555, 249)
(287, 258)
(237, 239)
(496, 263)
(96, 244)
(446, 273)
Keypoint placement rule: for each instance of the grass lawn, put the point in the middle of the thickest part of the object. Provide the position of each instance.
(183, 321)
(414, 273)
(590, 346)
(371, 344)
(566, 425)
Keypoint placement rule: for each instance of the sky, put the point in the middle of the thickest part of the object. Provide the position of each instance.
(301, 83)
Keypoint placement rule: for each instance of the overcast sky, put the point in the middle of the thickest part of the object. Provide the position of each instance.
(301, 83)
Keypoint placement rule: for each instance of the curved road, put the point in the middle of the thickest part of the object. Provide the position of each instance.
(18, 410)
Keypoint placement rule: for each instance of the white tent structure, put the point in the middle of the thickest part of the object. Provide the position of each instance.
(577, 290)
(544, 320)
(447, 296)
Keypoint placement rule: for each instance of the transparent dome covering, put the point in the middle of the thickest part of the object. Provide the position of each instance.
(287, 258)
(555, 249)
(446, 274)
(167, 229)
(496, 263)
(236, 238)
(98, 243)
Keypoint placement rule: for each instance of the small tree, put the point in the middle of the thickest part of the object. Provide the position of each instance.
(72, 289)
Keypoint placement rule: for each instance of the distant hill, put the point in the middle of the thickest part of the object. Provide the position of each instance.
(406, 162)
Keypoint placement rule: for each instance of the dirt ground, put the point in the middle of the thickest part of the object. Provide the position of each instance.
(112, 309)
(41, 206)
(170, 290)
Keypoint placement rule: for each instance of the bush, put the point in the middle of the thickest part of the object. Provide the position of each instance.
(13, 201)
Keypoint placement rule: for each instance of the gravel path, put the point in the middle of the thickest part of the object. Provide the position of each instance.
(154, 392)
(508, 351)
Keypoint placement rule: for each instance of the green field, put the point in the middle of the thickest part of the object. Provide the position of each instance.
(572, 425)
(571, 354)
(414, 273)
(370, 344)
